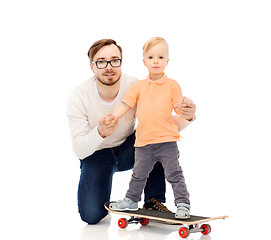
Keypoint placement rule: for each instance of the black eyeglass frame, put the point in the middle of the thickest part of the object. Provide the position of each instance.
(96, 63)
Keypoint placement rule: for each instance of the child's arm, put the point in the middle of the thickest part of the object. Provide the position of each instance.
(121, 110)
(118, 113)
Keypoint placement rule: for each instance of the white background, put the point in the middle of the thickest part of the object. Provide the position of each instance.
(221, 56)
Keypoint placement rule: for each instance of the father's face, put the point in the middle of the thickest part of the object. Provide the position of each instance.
(109, 75)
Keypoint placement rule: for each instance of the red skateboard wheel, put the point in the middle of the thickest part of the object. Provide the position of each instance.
(144, 221)
(206, 229)
(123, 223)
(184, 232)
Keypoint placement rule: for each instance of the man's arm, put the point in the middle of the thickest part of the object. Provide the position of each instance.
(85, 140)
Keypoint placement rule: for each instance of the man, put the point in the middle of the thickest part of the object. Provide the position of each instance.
(106, 149)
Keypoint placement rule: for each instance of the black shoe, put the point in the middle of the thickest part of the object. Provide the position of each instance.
(155, 205)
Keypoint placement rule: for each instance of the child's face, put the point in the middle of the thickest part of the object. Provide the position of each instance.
(156, 60)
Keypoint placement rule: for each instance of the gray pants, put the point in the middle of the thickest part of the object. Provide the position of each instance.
(145, 157)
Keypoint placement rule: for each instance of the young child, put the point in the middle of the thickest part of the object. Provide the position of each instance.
(156, 133)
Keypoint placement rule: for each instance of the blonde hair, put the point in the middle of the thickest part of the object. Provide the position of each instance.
(153, 42)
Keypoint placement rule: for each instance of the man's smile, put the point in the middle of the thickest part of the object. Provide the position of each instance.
(109, 74)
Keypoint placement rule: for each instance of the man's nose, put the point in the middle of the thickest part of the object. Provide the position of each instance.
(109, 67)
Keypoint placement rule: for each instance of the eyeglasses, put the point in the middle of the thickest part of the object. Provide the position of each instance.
(103, 64)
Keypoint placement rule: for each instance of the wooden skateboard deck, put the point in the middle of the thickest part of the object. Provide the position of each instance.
(142, 216)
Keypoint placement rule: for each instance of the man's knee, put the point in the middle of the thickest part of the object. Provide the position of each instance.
(93, 217)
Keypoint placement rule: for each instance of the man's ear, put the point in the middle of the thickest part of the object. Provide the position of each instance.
(91, 66)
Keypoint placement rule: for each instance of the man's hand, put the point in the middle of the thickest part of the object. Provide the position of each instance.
(187, 109)
(107, 125)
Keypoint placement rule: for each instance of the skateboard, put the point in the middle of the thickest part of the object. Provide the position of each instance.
(143, 216)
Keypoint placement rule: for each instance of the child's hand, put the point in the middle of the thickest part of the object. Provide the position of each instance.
(186, 102)
(107, 125)
(186, 108)
(108, 119)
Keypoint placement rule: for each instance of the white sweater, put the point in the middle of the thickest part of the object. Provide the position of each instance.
(85, 108)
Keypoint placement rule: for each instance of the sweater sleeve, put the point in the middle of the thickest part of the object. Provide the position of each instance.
(85, 140)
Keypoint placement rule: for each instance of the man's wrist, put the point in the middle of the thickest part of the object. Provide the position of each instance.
(191, 119)
(103, 136)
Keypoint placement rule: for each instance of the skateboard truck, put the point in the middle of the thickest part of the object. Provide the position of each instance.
(184, 232)
(123, 222)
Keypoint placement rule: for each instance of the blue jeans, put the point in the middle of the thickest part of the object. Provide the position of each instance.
(96, 179)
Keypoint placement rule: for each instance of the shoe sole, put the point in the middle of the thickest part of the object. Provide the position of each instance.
(123, 209)
(182, 218)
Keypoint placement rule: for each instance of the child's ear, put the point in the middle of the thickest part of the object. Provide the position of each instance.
(144, 62)
(167, 60)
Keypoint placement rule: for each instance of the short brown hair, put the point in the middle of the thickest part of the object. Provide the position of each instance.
(99, 44)
(153, 42)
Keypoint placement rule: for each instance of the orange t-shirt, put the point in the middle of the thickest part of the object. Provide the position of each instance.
(155, 101)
